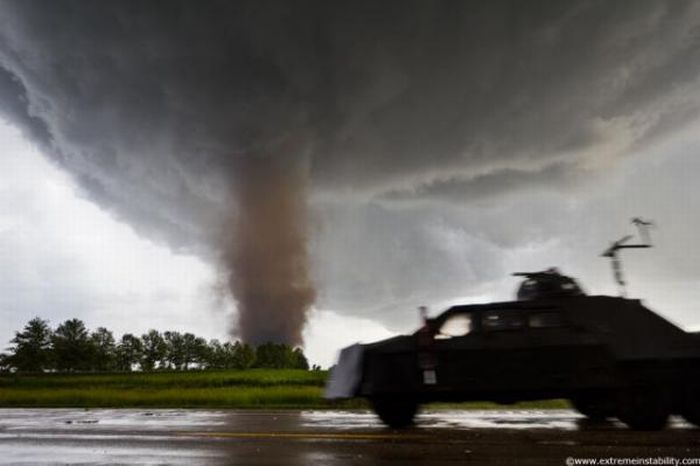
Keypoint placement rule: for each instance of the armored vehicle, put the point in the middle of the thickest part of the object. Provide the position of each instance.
(610, 356)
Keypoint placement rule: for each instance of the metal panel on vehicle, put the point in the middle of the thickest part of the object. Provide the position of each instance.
(346, 376)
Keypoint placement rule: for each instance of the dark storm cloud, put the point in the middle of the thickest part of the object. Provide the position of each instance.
(13, 96)
(393, 94)
(488, 186)
(157, 107)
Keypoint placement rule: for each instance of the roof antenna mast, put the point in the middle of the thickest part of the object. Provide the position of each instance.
(613, 251)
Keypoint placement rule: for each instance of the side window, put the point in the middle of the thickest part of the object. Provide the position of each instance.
(457, 325)
(548, 319)
(502, 320)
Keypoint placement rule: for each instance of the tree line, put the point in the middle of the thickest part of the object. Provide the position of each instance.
(71, 347)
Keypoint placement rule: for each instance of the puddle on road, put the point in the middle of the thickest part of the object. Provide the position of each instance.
(51, 453)
(486, 419)
(61, 421)
(111, 419)
(550, 419)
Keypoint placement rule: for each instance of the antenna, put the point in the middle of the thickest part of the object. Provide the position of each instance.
(613, 251)
(643, 227)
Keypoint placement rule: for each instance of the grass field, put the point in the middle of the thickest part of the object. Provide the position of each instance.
(254, 388)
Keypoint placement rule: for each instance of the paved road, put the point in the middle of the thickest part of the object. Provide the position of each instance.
(290, 438)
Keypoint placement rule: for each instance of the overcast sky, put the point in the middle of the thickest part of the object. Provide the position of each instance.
(437, 147)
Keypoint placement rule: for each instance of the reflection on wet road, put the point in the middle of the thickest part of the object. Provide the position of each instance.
(106, 436)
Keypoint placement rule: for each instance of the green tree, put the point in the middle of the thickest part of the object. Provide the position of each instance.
(230, 355)
(274, 356)
(189, 343)
(280, 356)
(175, 351)
(31, 350)
(154, 350)
(104, 350)
(299, 360)
(5, 364)
(242, 356)
(216, 355)
(129, 352)
(72, 347)
(198, 350)
(220, 355)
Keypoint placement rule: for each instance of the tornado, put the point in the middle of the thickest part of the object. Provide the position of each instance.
(265, 256)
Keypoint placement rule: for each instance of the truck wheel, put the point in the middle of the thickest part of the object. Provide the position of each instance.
(690, 409)
(644, 408)
(595, 406)
(396, 412)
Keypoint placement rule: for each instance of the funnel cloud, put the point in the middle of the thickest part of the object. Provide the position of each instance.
(176, 117)
(266, 254)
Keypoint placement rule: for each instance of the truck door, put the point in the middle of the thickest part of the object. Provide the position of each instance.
(508, 353)
(456, 353)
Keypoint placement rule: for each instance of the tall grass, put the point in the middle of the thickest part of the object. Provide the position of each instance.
(247, 397)
(170, 379)
(254, 388)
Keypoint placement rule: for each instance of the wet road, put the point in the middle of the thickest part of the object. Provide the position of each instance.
(68, 436)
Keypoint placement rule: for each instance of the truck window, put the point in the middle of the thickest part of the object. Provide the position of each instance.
(548, 319)
(457, 325)
(502, 320)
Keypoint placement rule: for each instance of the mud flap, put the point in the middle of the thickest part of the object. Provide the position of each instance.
(345, 377)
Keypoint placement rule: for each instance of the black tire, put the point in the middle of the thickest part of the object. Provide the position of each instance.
(644, 408)
(395, 411)
(597, 406)
(690, 407)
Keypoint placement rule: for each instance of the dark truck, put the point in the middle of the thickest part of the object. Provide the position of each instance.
(610, 356)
